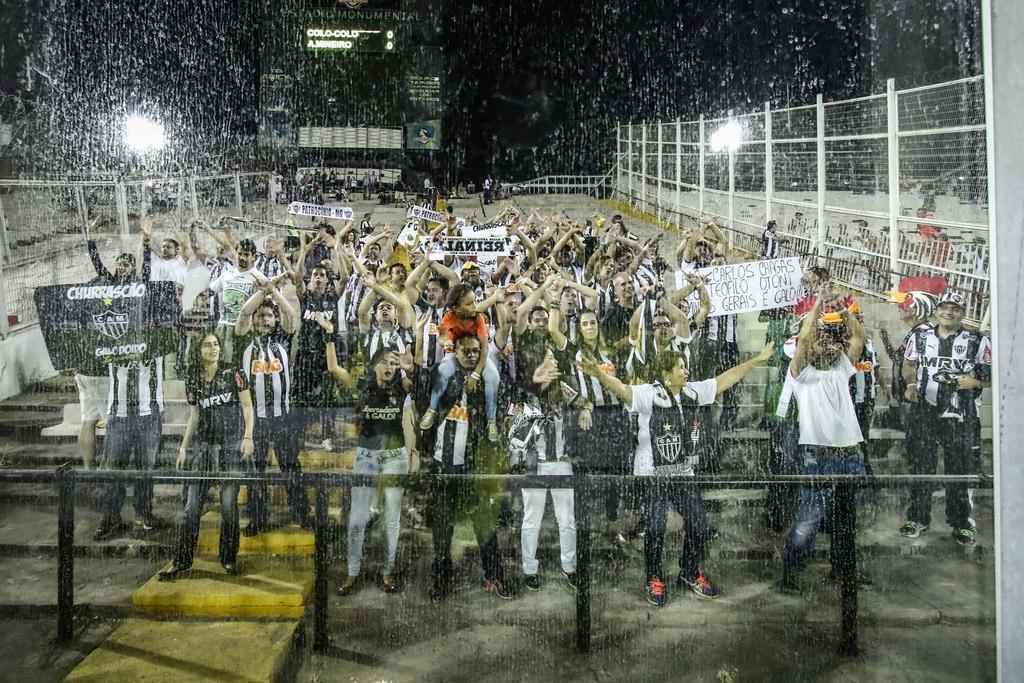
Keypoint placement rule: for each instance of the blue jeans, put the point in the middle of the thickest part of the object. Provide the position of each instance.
(132, 443)
(445, 372)
(817, 503)
(214, 458)
(391, 461)
(689, 503)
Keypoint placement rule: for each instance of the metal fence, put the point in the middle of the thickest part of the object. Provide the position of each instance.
(584, 485)
(41, 224)
(881, 186)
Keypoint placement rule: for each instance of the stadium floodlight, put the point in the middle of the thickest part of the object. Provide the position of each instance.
(142, 134)
(727, 138)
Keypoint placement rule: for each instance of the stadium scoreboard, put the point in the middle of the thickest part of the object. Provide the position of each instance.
(351, 38)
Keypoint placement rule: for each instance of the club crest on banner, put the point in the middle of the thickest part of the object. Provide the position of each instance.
(111, 324)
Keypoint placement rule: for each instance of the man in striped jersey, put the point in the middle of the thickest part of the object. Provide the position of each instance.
(461, 447)
(134, 410)
(770, 242)
(946, 368)
(264, 360)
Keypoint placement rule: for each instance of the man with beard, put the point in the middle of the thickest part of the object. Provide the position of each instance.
(234, 286)
(615, 323)
(313, 388)
(267, 323)
(830, 342)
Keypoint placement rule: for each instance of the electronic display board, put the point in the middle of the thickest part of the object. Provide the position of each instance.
(351, 38)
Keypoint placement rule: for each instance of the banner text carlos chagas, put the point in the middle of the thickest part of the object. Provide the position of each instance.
(750, 286)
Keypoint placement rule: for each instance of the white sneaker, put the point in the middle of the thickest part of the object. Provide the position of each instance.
(327, 445)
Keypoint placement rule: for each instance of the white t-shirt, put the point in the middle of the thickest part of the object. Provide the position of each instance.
(827, 416)
(645, 398)
(171, 269)
(234, 287)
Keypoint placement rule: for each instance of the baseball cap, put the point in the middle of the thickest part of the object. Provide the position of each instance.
(951, 297)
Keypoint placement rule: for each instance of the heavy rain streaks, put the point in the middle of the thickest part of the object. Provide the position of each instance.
(430, 341)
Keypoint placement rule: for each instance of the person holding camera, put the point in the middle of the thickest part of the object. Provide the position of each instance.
(945, 369)
(831, 340)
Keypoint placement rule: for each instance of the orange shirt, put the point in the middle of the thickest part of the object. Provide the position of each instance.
(453, 326)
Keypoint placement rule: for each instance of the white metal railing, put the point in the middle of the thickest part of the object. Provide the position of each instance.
(563, 184)
(41, 223)
(881, 186)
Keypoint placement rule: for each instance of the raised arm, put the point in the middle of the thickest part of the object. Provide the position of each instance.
(534, 299)
(676, 315)
(857, 336)
(555, 329)
(634, 322)
(338, 373)
(733, 375)
(621, 390)
(804, 341)
(444, 271)
(97, 262)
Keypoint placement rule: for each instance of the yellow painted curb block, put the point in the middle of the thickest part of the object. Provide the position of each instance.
(291, 540)
(151, 651)
(266, 588)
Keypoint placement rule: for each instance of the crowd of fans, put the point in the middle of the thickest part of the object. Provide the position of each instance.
(583, 349)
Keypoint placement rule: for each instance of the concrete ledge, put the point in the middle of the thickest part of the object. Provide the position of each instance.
(265, 588)
(143, 651)
(292, 541)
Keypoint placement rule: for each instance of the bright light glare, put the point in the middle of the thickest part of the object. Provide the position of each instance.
(727, 138)
(141, 134)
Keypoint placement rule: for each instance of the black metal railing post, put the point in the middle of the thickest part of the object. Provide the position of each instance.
(845, 540)
(65, 553)
(583, 495)
(321, 641)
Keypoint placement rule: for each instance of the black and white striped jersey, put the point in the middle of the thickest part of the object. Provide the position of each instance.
(432, 351)
(453, 435)
(941, 360)
(721, 328)
(863, 385)
(769, 245)
(136, 388)
(265, 364)
(590, 389)
(397, 339)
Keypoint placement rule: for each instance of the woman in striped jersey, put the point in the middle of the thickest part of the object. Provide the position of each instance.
(599, 429)
(385, 420)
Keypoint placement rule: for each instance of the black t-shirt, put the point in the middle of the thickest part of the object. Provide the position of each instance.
(312, 340)
(379, 415)
(220, 413)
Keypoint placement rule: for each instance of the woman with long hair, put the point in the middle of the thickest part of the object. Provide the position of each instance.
(221, 424)
(385, 422)
(601, 436)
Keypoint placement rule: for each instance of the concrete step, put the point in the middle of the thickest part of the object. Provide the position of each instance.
(288, 541)
(266, 588)
(149, 650)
